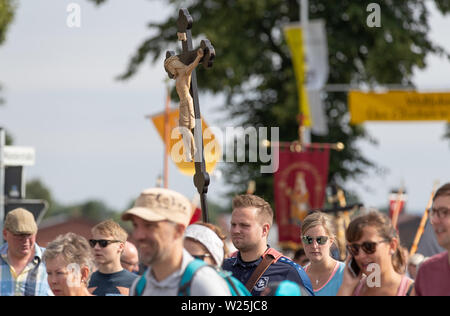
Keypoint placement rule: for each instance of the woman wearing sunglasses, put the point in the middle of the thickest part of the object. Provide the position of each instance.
(376, 263)
(205, 241)
(325, 273)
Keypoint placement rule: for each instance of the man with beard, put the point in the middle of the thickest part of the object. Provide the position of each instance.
(433, 277)
(160, 217)
(256, 264)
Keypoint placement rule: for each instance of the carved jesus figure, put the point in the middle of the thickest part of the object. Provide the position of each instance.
(182, 75)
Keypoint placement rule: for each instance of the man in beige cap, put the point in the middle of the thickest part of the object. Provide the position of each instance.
(160, 217)
(22, 272)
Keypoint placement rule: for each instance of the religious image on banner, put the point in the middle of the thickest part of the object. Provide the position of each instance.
(298, 198)
(300, 186)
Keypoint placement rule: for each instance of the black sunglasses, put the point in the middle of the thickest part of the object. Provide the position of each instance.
(201, 257)
(369, 247)
(321, 240)
(102, 242)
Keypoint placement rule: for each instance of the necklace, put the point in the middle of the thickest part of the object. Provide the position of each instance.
(318, 279)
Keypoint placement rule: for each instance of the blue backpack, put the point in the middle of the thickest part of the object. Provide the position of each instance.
(235, 286)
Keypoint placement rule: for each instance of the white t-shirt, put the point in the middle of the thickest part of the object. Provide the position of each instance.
(206, 282)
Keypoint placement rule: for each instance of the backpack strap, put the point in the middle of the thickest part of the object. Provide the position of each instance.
(269, 257)
(188, 275)
(140, 286)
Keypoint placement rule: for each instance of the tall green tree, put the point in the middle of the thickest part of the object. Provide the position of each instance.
(7, 8)
(253, 68)
(36, 189)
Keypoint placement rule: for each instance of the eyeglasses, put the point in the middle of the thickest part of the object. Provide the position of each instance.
(440, 213)
(201, 257)
(129, 263)
(102, 242)
(321, 240)
(369, 247)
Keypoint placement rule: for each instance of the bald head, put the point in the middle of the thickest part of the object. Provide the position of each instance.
(130, 258)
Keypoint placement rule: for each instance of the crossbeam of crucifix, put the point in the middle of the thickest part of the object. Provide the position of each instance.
(181, 67)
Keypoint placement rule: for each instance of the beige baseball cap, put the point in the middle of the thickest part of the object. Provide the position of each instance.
(158, 204)
(20, 221)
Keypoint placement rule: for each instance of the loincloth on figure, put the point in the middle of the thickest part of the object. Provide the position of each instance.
(187, 117)
(187, 120)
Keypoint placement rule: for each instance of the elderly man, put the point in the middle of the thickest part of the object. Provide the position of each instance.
(130, 258)
(160, 217)
(434, 274)
(22, 271)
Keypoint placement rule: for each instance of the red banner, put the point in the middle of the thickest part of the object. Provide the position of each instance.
(299, 185)
(396, 203)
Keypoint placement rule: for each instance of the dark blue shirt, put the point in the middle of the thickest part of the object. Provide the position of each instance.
(283, 269)
(111, 284)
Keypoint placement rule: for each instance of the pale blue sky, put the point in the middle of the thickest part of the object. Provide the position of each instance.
(89, 131)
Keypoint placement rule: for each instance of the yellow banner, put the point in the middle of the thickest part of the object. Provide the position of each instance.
(212, 151)
(398, 106)
(294, 39)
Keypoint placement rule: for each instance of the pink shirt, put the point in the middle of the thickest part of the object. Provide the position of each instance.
(433, 277)
(402, 289)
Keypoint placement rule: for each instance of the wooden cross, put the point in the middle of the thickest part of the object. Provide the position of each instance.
(187, 57)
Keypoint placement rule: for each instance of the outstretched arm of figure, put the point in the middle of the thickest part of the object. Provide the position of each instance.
(195, 63)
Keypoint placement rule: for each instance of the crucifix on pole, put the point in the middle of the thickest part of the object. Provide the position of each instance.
(181, 67)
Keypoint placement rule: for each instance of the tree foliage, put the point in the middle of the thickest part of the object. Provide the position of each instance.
(94, 210)
(35, 189)
(7, 8)
(253, 68)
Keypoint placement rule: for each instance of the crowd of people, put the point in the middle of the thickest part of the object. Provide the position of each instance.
(183, 259)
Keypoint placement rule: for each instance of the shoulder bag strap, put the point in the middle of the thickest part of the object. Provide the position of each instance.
(267, 260)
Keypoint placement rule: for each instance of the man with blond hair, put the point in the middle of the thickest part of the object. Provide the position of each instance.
(256, 264)
(107, 243)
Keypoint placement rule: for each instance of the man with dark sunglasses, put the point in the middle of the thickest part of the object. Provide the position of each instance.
(433, 277)
(107, 243)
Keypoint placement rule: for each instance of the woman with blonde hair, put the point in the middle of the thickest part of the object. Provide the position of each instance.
(325, 273)
(376, 262)
(69, 264)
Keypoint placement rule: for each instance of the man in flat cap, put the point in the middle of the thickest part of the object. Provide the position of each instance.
(160, 217)
(22, 272)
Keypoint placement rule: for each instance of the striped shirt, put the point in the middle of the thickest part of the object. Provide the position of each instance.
(32, 281)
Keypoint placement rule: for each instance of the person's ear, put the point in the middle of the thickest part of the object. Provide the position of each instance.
(393, 246)
(265, 229)
(332, 240)
(121, 247)
(84, 271)
(179, 231)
